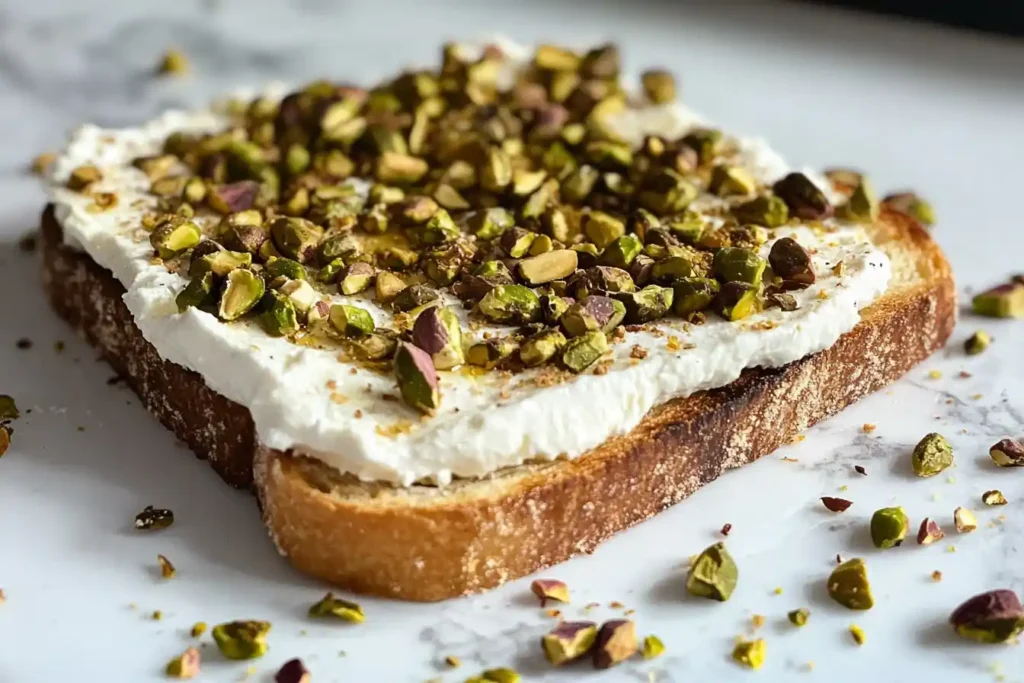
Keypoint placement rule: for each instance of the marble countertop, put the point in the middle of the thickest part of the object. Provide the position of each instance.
(913, 105)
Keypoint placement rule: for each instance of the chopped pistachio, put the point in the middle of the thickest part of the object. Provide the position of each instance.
(622, 251)
(1003, 301)
(8, 408)
(803, 197)
(437, 331)
(331, 606)
(848, 585)
(977, 343)
(862, 206)
(602, 229)
(174, 237)
(296, 238)
(932, 455)
(964, 520)
(242, 639)
(490, 223)
(706, 142)
(488, 353)
(417, 378)
(799, 617)
(543, 268)
(791, 262)
(647, 305)
(583, 351)
(727, 181)
(153, 518)
(769, 211)
(569, 640)
(857, 633)
(277, 314)
(929, 532)
(550, 589)
(616, 642)
(82, 177)
(652, 647)
(387, 286)
(198, 629)
(912, 205)
(185, 665)
(501, 675)
(993, 497)
(351, 321)
(889, 526)
(750, 653)
(596, 312)
(512, 304)
(395, 168)
(1007, 453)
(736, 300)
(659, 86)
(242, 292)
(739, 265)
(293, 671)
(713, 574)
(693, 294)
(198, 292)
(541, 347)
(414, 296)
(355, 278)
(992, 617)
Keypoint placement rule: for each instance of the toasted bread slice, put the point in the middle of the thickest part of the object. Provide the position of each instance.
(427, 543)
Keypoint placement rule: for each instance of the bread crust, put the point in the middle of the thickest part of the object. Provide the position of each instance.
(423, 543)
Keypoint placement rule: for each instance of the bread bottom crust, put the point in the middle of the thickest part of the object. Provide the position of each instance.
(423, 543)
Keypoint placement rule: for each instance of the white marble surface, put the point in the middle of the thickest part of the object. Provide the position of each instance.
(914, 105)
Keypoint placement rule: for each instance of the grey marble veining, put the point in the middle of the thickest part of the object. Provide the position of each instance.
(914, 105)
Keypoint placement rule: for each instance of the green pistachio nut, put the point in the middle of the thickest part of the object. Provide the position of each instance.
(889, 526)
(672, 269)
(977, 343)
(569, 641)
(693, 294)
(502, 675)
(377, 346)
(398, 258)
(791, 262)
(686, 227)
(414, 296)
(174, 237)
(351, 321)
(242, 291)
(437, 331)
(245, 237)
(769, 211)
(580, 183)
(541, 347)
(602, 229)
(296, 238)
(233, 197)
(750, 653)
(995, 616)
(450, 198)
(582, 352)
(595, 313)
(1002, 301)
(487, 224)
(440, 229)
(622, 251)
(912, 205)
(553, 58)
(387, 286)
(284, 267)
(546, 267)
(932, 455)
(732, 264)
(496, 172)
(331, 606)
(736, 300)
(198, 292)
(713, 574)
(277, 314)
(609, 155)
(862, 206)
(729, 181)
(537, 202)
(511, 304)
(242, 639)
(848, 585)
(394, 168)
(376, 220)
(666, 192)
(706, 142)
(330, 272)
(643, 223)
(301, 294)
(600, 279)
(553, 307)
(415, 210)
(803, 197)
(490, 352)
(417, 378)
(646, 305)
(355, 278)
(659, 86)
(526, 182)
(517, 241)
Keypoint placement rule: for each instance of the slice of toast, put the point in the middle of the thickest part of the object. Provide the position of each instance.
(427, 543)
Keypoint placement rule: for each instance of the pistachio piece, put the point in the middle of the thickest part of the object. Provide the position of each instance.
(729, 181)
(600, 279)
(151, 519)
(395, 168)
(387, 286)
(596, 312)
(542, 244)
(417, 378)
(769, 211)
(376, 220)
(912, 205)
(8, 408)
(995, 616)
(5, 443)
(647, 305)
(602, 229)
(330, 272)
(739, 265)
(791, 262)
(550, 589)
(622, 251)
(496, 172)
(488, 224)
(242, 291)
(185, 665)
(355, 278)
(616, 642)
(242, 639)
(296, 238)
(848, 585)
(538, 201)
(233, 197)
(174, 236)
(750, 653)
(414, 296)
(693, 294)
(284, 267)
(543, 268)
(351, 321)
(964, 520)
(659, 86)
(889, 526)
(527, 182)
(501, 675)
(331, 606)
(580, 183)
(932, 455)
(301, 294)
(1007, 453)
(929, 532)
(541, 347)
(994, 497)
(799, 617)
(1003, 301)
(843, 178)
(652, 647)
(672, 269)
(380, 345)
(198, 292)
(736, 300)
(862, 206)
(583, 351)
(713, 574)
(416, 210)
(512, 304)
(488, 353)
(278, 317)
(553, 307)
(244, 237)
(82, 177)
(437, 332)
(706, 142)
(568, 641)
(803, 197)
(293, 671)
(977, 343)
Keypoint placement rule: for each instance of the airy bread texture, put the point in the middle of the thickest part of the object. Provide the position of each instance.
(426, 543)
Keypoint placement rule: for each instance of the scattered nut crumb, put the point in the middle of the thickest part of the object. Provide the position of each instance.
(860, 470)
(157, 615)
(452, 661)
(198, 629)
(935, 374)
(167, 569)
(936, 575)
(173, 63)
(42, 163)
(858, 634)
(757, 620)
(868, 427)
(638, 352)
(963, 374)
(24, 343)
(554, 613)
(726, 528)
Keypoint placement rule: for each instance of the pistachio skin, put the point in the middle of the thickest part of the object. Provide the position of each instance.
(417, 378)
(1007, 453)
(437, 331)
(995, 616)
